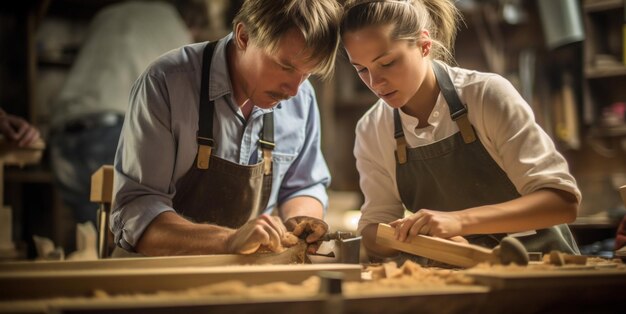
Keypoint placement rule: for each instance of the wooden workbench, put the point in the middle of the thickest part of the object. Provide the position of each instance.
(28, 290)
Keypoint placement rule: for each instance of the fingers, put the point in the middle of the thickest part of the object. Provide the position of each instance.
(30, 136)
(411, 225)
(291, 223)
(299, 229)
(275, 223)
(318, 231)
(420, 227)
(396, 222)
(272, 231)
(403, 231)
(8, 131)
(251, 236)
(313, 228)
(312, 248)
(18, 130)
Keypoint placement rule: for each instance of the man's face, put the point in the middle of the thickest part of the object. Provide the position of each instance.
(270, 78)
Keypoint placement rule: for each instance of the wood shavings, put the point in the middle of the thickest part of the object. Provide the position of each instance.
(566, 262)
(413, 274)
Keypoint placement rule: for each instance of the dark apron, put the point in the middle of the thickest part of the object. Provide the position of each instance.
(458, 173)
(218, 191)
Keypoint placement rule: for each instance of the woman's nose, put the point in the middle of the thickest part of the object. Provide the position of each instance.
(376, 79)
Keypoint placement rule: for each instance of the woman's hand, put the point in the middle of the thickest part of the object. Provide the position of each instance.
(428, 222)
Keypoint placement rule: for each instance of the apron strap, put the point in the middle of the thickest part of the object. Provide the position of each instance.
(399, 136)
(267, 142)
(205, 130)
(458, 112)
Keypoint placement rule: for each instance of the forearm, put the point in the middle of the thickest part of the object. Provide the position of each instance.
(301, 206)
(540, 209)
(169, 234)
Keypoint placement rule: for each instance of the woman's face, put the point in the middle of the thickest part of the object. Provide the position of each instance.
(393, 70)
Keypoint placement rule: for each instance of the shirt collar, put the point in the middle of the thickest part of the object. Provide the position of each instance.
(219, 78)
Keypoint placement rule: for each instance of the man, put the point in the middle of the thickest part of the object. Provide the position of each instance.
(218, 135)
(87, 116)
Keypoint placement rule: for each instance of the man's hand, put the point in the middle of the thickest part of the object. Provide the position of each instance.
(265, 230)
(18, 130)
(309, 228)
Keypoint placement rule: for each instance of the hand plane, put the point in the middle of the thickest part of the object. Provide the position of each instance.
(337, 247)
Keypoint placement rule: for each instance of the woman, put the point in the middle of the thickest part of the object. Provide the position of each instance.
(458, 148)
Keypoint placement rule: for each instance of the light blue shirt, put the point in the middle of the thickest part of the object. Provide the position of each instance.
(158, 142)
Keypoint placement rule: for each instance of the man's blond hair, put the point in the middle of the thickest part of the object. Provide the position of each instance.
(266, 21)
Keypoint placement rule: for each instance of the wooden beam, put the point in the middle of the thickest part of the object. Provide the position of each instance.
(442, 250)
(102, 185)
(293, 255)
(71, 283)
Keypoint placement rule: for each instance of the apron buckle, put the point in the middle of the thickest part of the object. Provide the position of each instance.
(267, 161)
(204, 154)
(401, 149)
(467, 132)
(205, 146)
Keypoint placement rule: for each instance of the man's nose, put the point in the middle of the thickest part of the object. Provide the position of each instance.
(293, 83)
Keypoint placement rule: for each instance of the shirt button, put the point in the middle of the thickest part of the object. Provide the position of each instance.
(436, 114)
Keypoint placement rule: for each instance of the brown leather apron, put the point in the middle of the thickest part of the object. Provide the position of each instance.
(458, 173)
(218, 191)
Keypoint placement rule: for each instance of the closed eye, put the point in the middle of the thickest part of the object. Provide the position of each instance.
(284, 67)
(388, 64)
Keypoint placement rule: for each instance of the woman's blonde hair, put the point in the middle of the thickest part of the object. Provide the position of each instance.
(409, 17)
(266, 21)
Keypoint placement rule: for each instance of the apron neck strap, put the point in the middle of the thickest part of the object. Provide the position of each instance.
(458, 112)
(204, 138)
(206, 109)
(267, 142)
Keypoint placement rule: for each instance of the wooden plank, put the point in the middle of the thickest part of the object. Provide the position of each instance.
(45, 284)
(459, 300)
(292, 255)
(102, 185)
(547, 279)
(442, 250)
(11, 154)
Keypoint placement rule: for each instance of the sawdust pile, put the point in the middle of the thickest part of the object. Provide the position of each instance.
(548, 263)
(387, 277)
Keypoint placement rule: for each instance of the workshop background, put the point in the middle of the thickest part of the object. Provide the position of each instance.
(569, 67)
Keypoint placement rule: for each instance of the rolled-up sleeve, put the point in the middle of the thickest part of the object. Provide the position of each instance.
(518, 144)
(144, 161)
(375, 162)
(308, 175)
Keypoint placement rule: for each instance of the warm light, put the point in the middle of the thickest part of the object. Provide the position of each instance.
(351, 219)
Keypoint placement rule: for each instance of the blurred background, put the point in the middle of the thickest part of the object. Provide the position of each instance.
(565, 57)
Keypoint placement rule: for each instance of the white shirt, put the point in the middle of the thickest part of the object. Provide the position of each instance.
(122, 40)
(504, 123)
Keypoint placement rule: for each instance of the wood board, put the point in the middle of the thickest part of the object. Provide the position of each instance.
(442, 250)
(45, 284)
(446, 300)
(292, 255)
(547, 279)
